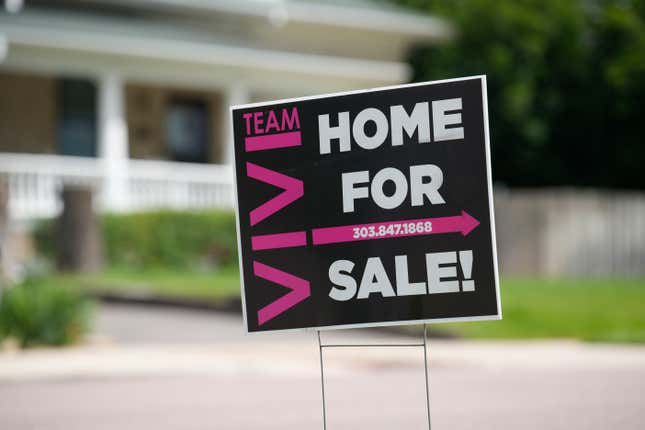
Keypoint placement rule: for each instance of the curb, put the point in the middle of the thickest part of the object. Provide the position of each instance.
(233, 305)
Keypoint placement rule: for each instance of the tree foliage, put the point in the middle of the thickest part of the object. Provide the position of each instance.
(566, 84)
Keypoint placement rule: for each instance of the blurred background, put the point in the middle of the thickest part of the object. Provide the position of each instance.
(119, 285)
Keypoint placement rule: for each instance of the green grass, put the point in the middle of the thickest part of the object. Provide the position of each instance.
(214, 285)
(591, 310)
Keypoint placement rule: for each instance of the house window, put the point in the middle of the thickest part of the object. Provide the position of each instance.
(76, 128)
(187, 130)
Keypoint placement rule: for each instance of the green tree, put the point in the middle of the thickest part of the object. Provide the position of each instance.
(566, 83)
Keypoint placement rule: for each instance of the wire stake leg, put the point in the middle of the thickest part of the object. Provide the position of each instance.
(425, 368)
(322, 381)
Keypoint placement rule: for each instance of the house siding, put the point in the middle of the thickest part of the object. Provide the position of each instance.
(27, 113)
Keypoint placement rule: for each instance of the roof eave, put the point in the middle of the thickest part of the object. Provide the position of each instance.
(407, 24)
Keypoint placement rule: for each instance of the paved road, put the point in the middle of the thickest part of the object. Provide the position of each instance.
(167, 369)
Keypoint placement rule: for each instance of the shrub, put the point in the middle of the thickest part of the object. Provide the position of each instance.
(35, 313)
(170, 239)
(160, 238)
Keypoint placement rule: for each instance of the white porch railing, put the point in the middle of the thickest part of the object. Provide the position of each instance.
(35, 183)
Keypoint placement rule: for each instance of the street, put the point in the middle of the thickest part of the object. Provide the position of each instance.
(163, 368)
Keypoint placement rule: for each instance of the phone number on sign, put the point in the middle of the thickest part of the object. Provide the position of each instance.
(392, 229)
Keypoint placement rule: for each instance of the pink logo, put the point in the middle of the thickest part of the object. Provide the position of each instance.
(292, 190)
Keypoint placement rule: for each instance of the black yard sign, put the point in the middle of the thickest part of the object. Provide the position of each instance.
(366, 208)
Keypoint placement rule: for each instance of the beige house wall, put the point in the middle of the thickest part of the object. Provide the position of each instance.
(28, 116)
(27, 113)
(146, 108)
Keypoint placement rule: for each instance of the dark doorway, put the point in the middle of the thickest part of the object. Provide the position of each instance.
(187, 130)
(76, 132)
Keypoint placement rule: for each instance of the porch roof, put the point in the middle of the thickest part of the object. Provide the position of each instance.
(143, 40)
(69, 42)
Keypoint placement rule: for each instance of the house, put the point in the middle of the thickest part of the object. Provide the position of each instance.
(131, 97)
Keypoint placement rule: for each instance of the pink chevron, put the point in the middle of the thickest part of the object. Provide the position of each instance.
(293, 190)
(300, 290)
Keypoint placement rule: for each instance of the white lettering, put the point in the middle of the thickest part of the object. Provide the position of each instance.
(440, 120)
(328, 133)
(351, 193)
(340, 275)
(437, 273)
(375, 280)
(429, 189)
(403, 285)
(417, 120)
(400, 188)
(379, 119)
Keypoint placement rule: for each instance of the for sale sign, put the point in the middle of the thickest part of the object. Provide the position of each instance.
(366, 208)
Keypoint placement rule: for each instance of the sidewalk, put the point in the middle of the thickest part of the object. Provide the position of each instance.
(133, 341)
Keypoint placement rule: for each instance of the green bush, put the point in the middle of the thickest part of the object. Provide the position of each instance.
(35, 313)
(160, 239)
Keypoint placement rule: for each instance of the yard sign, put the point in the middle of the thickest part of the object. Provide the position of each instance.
(366, 208)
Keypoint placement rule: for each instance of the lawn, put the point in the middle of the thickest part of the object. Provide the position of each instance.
(592, 310)
(210, 285)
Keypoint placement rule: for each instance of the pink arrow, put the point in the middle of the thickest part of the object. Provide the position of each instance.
(463, 224)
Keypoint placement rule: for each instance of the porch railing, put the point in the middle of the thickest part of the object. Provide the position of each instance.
(35, 182)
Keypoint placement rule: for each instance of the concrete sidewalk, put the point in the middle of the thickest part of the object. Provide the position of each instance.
(300, 359)
(142, 341)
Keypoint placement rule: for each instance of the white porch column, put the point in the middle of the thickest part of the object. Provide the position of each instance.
(235, 94)
(113, 141)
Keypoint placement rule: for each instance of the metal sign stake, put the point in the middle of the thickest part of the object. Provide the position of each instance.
(371, 345)
(322, 381)
(425, 368)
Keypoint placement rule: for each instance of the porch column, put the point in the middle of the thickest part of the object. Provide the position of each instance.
(235, 94)
(113, 141)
